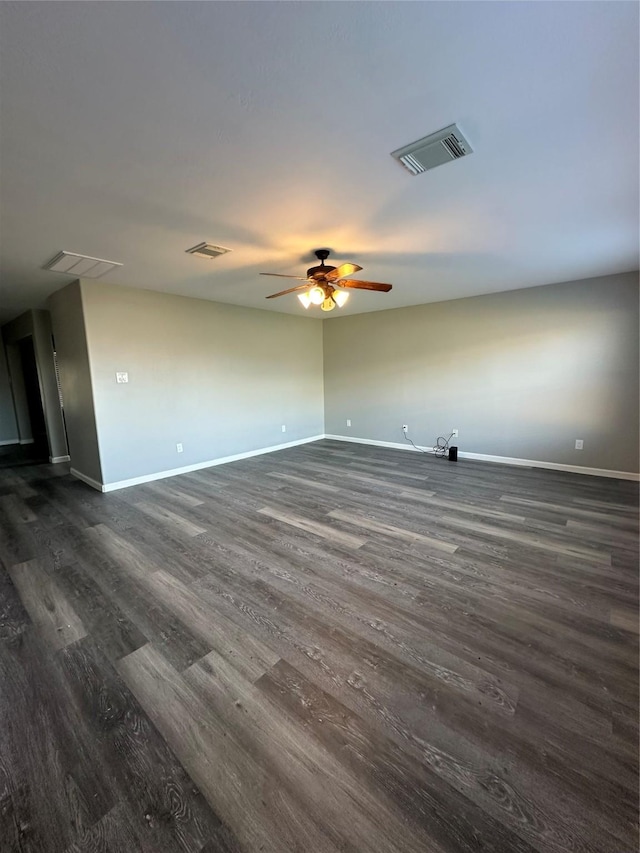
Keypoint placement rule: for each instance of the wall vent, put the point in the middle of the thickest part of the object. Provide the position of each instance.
(434, 150)
(80, 265)
(207, 250)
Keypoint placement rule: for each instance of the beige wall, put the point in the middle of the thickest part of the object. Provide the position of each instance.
(520, 374)
(220, 379)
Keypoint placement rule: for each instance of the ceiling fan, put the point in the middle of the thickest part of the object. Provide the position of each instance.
(325, 285)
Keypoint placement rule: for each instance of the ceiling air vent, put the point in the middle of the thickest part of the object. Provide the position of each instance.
(207, 250)
(434, 150)
(80, 265)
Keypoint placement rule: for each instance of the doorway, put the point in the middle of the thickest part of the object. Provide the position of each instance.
(34, 443)
(40, 446)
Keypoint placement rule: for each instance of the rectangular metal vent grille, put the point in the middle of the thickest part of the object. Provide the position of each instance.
(81, 265)
(435, 150)
(207, 250)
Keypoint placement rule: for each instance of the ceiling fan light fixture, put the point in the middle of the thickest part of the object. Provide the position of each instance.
(316, 295)
(325, 285)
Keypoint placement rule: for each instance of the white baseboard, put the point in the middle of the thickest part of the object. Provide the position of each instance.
(553, 466)
(88, 480)
(56, 459)
(394, 445)
(10, 441)
(186, 469)
(502, 460)
(27, 440)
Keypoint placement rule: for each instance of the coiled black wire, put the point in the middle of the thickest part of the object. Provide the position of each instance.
(440, 448)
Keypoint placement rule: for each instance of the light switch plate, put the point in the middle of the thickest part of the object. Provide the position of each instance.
(122, 376)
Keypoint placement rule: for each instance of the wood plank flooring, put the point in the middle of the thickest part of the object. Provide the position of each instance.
(331, 648)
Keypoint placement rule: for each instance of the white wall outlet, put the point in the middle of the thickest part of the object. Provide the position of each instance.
(579, 444)
(405, 427)
(179, 447)
(122, 376)
(348, 421)
(454, 433)
(284, 427)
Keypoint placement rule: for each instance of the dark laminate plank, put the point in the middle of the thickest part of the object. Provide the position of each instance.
(610, 507)
(13, 616)
(13, 483)
(164, 808)
(111, 834)
(570, 511)
(107, 624)
(248, 655)
(79, 505)
(15, 509)
(366, 523)
(166, 493)
(627, 619)
(412, 647)
(310, 526)
(435, 739)
(232, 780)
(296, 760)
(230, 552)
(48, 607)
(381, 763)
(16, 543)
(178, 522)
(305, 484)
(57, 790)
(120, 580)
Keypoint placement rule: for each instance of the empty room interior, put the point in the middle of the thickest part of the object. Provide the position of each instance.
(319, 427)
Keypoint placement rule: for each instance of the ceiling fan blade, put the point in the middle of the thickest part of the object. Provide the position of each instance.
(282, 275)
(291, 290)
(341, 271)
(365, 285)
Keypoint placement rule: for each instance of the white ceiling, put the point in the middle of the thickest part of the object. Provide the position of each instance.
(132, 131)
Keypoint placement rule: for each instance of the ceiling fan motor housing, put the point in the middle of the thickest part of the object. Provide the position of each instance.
(322, 270)
(325, 283)
(319, 272)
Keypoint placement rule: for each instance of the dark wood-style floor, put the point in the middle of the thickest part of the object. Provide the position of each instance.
(331, 648)
(14, 455)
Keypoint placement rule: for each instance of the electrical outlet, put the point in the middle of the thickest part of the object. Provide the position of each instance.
(179, 447)
(122, 376)
(454, 433)
(284, 427)
(348, 421)
(405, 427)
(579, 444)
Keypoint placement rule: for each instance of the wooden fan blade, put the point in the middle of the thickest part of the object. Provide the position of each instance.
(365, 285)
(291, 290)
(282, 275)
(341, 271)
